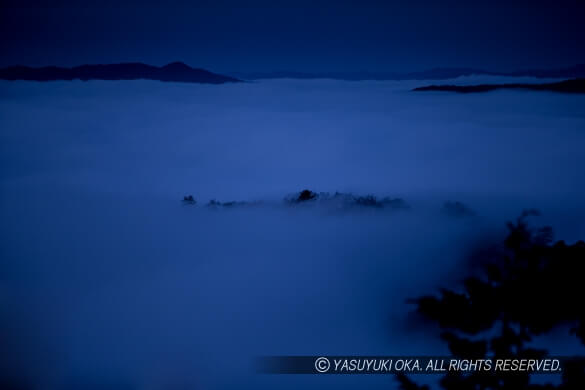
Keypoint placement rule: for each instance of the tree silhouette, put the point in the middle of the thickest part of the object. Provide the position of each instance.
(531, 287)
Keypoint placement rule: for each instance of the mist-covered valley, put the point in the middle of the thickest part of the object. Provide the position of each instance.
(109, 279)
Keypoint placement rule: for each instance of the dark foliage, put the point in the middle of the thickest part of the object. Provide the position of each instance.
(231, 204)
(535, 286)
(189, 199)
(307, 195)
(344, 200)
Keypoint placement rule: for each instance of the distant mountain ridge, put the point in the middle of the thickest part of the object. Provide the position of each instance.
(577, 71)
(567, 86)
(173, 72)
(180, 72)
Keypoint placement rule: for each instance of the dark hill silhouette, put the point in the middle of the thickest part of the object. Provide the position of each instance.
(175, 72)
(567, 86)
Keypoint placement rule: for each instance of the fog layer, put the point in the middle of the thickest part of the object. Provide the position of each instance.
(108, 279)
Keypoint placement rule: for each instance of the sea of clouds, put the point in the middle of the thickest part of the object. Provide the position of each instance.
(108, 279)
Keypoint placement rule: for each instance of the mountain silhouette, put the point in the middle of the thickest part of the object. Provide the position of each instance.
(180, 72)
(567, 86)
(173, 72)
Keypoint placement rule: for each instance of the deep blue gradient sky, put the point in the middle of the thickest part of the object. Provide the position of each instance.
(300, 35)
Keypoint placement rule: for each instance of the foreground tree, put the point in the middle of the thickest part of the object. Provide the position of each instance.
(531, 287)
